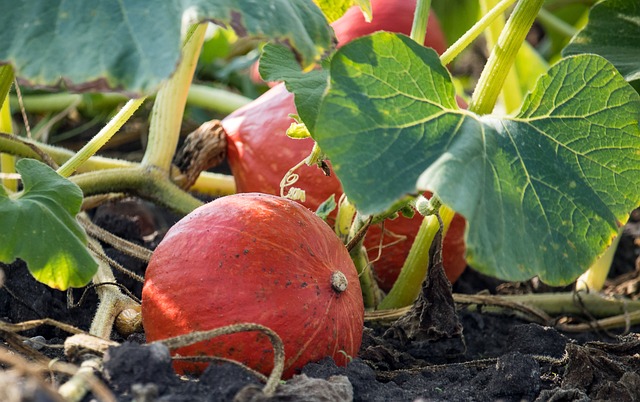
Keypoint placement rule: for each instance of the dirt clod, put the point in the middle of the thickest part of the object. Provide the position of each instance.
(131, 364)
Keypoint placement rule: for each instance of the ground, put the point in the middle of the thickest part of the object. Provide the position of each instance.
(499, 355)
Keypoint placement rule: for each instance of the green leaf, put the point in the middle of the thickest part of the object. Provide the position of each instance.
(613, 32)
(136, 44)
(334, 9)
(543, 192)
(6, 80)
(327, 207)
(277, 63)
(39, 227)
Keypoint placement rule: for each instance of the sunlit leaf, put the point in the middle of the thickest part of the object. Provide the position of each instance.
(39, 227)
(278, 64)
(613, 32)
(543, 192)
(334, 9)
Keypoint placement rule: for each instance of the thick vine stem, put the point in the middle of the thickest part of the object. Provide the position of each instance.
(503, 55)
(112, 301)
(214, 184)
(278, 347)
(420, 19)
(476, 30)
(7, 161)
(545, 308)
(101, 138)
(371, 293)
(511, 94)
(593, 279)
(168, 109)
(210, 98)
(147, 183)
(414, 270)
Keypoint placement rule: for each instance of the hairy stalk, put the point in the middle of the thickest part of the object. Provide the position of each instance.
(199, 336)
(214, 184)
(101, 138)
(214, 99)
(407, 286)
(150, 184)
(503, 55)
(420, 20)
(168, 109)
(112, 300)
(476, 30)
(371, 293)
(511, 93)
(7, 161)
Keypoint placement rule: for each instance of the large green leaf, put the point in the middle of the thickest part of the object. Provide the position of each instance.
(613, 32)
(543, 192)
(39, 227)
(136, 44)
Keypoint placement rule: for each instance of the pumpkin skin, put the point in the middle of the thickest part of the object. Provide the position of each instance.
(253, 258)
(388, 15)
(260, 153)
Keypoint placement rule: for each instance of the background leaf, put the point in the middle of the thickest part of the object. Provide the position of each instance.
(613, 32)
(136, 44)
(543, 192)
(279, 64)
(39, 227)
(334, 9)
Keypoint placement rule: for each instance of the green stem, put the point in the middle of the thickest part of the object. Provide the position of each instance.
(52, 103)
(368, 284)
(476, 30)
(101, 138)
(593, 279)
(572, 303)
(511, 93)
(112, 300)
(208, 183)
(503, 55)
(371, 293)
(408, 285)
(168, 109)
(7, 161)
(556, 24)
(215, 99)
(420, 20)
(150, 184)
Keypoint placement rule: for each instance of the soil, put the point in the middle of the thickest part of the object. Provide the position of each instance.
(481, 355)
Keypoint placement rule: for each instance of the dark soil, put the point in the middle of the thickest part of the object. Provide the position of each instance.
(495, 356)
